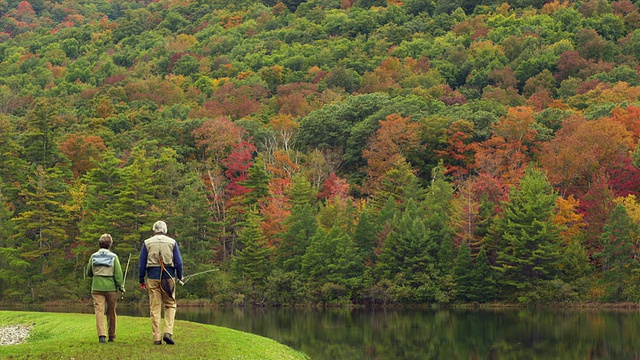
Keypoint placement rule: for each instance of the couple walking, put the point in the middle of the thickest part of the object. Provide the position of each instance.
(160, 262)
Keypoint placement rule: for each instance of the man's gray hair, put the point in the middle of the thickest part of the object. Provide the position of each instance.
(105, 241)
(160, 227)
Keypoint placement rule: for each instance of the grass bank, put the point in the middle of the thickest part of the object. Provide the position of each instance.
(73, 336)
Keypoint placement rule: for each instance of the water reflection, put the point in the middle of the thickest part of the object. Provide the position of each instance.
(379, 334)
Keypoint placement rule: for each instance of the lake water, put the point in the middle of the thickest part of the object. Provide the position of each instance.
(407, 334)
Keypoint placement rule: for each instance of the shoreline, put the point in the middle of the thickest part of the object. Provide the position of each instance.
(189, 303)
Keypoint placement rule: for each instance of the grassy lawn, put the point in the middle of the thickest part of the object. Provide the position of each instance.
(74, 336)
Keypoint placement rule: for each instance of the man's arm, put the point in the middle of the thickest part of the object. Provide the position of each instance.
(177, 261)
(89, 269)
(142, 264)
(117, 272)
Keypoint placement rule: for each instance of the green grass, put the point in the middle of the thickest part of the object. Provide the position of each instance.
(73, 336)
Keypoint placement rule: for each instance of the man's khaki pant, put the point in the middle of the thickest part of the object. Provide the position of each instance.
(157, 299)
(104, 302)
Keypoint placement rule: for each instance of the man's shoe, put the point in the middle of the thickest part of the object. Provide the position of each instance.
(167, 338)
(157, 342)
(102, 339)
(111, 338)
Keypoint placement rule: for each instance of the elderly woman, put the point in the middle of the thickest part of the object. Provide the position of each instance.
(104, 267)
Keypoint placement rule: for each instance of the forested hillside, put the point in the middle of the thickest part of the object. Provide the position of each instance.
(325, 151)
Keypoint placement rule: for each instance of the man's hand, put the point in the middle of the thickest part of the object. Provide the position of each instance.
(143, 286)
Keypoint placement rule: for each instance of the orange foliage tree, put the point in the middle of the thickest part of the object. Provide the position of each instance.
(82, 150)
(388, 146)
(629, 118)
(297, 99)
(234, 101)
(274, 212)
(581, 149)
(458, 153)
(506, 154)
(217, 137)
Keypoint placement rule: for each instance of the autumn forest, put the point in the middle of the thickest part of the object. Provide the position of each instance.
(325, 152)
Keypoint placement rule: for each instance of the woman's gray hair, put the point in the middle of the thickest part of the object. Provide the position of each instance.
(105, 241)
(160, 227)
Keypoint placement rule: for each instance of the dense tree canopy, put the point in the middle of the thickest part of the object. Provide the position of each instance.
(324, 151)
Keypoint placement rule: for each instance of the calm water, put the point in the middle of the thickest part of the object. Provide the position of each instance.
(430, 334)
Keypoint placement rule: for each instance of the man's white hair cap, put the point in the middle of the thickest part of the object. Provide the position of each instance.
(160, 227)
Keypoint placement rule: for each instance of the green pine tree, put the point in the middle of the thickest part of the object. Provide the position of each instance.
(483, 288)
(104, 183)
(14, 166)
(474, 278)
(529, 250)
(575, 261)
(258, 183)
(365, 236)
(439, 210)
(388, 212)
(251, 263)
(39, 138)
(401, 184)
(407, 257)
(40, 231)
(383, 220)
(331, 267)
(617, 254)
(6, 223)
(301, 192)
(172, 178)
(137, 205)
(463, 272)
(301, 226)
(193, 226)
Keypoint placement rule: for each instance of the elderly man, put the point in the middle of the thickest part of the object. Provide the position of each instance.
(106, 273)
(161, 262)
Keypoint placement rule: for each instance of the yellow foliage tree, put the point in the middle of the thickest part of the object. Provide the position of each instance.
(569, 218)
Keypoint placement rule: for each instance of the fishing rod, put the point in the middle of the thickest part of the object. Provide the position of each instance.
(124, 282)
(187, 278)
